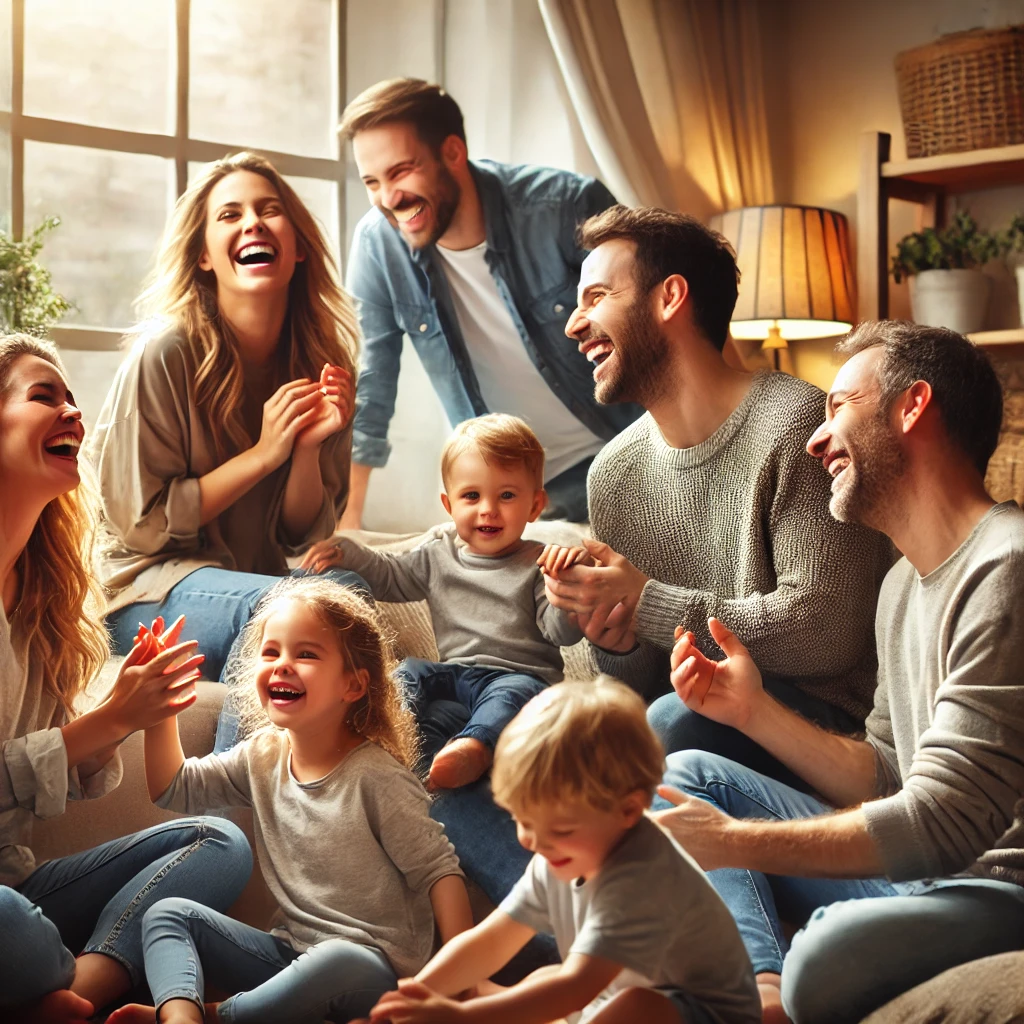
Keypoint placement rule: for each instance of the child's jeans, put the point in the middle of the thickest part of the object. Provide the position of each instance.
(93, 902)
(187, 945)
(452, 701)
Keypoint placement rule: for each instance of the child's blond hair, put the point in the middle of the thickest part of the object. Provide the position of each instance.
(586, 742)
(380, 715)
(499, 438)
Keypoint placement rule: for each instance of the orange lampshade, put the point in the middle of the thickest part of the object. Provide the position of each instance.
(795, 272)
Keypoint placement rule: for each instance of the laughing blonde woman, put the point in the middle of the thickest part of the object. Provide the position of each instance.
(224, 444)
(71, 929)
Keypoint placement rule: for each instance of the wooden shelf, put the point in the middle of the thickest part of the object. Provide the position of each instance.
(1013, 336)
(961, 172)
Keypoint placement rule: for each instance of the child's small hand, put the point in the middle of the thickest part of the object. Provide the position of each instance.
(323, 555)
(556, 557)
(414, 1003)
(154, 683)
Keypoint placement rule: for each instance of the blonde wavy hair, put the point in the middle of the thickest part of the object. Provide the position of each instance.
(380, 715)
(320, 325)
(58, 615)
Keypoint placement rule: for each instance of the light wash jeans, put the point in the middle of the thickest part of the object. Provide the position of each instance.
(865, 941)
(217, 603)
(679, 728)
(94, 902)
(188, 945)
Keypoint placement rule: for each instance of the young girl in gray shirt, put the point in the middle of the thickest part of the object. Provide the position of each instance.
(359, 870)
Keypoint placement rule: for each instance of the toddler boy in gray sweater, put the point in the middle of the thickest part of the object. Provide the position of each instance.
(497, 635)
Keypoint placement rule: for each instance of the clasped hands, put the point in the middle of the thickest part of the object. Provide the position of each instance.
(302, 414)
(598, 588)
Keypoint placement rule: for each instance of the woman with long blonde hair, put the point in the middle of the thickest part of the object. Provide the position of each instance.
(52, 644)
(224, 443)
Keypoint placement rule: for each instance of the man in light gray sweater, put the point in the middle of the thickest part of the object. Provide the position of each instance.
(708, 504)
(924, 869)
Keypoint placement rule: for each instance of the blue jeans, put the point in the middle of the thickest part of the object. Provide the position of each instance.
(452, 701)
(93, 902)
(679, 728)
(217, 604)
(865, 941)
(188, 944)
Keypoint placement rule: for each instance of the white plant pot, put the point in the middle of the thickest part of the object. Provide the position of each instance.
(956, 299)
(1020, 292)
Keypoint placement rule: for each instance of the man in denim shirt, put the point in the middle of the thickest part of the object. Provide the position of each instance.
(478, 263)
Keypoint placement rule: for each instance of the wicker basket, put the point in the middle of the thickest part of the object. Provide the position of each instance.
(963, 91)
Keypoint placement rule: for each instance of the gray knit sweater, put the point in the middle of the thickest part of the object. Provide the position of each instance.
(739, 527)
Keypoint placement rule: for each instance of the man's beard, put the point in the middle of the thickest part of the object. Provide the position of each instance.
(444, 202)
(876, 463)
(639, 353)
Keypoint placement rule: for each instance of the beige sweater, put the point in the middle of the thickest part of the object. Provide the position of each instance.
(150, 448)
(35, 781)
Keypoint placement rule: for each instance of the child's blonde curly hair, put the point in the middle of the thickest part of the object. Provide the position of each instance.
(365, 643)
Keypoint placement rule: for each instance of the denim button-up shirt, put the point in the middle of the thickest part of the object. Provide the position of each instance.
(531, 216)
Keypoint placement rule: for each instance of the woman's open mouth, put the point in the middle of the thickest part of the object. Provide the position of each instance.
(64, 446)
(256, 255)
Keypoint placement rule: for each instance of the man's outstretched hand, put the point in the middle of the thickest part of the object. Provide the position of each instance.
(724, 691)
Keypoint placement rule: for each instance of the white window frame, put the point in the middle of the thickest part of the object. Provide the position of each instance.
(179, 146)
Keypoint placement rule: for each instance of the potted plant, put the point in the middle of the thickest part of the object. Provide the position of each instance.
(28, 302)
(1013, 243)
(947, 286)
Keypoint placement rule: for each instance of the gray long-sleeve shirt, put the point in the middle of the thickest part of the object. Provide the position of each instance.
(485, 610)
(739, 527)
(353, 855)
(948, 720)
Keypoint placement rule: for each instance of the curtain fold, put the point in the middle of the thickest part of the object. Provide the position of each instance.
(670, 96)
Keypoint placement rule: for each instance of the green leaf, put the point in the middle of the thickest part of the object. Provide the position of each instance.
(28, 302)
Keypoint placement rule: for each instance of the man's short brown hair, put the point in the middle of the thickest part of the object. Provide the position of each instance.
(500, 438)
(964, 384)
(428, 108)
(674, 243)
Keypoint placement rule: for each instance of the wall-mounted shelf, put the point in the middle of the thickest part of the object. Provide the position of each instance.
(926, 181)
(1012, 336)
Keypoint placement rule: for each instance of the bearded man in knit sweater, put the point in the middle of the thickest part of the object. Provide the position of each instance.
(709, 504)
(924, 868)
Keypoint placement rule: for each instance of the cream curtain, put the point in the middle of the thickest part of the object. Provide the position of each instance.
(670, 97)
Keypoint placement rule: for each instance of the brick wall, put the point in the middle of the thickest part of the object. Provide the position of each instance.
(1006, 470)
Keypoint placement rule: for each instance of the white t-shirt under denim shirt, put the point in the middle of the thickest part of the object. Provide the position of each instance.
(651, 909)
(509, 381)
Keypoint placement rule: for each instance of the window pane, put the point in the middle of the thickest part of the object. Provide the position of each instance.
(263, 75)
(5, 54)
(5, 181)
(112, 208)
(101, 62)
(320, 197)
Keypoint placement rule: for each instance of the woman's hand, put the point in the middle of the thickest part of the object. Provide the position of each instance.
(724, 691)
(334, 410)
(288, 411)
(153, 684)
(321, 556)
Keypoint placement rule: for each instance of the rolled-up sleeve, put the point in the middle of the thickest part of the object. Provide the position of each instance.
(35, 773)
(380, 360)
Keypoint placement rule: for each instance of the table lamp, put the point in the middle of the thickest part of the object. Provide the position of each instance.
(796, 278)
